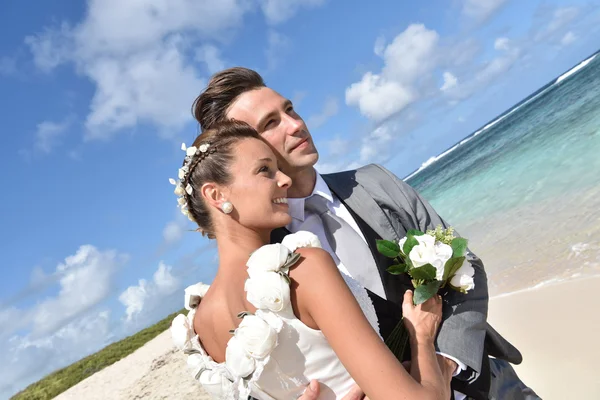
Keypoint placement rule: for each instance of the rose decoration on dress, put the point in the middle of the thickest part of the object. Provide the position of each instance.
(238, 360)
(301, 239)
(249, 350)
(268, 290)
(269, 258)
(181, 331)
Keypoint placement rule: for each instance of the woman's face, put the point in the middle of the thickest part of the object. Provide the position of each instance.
(258, 190)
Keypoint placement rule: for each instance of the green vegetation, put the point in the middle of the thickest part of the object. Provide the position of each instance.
(61, 380)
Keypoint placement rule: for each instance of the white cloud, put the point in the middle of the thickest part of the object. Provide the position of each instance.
(379, 47)
(63, 327)
(278, 11)
(480, 10)
(329, 167)
(297, 97)
(559, 20)
(146, 300)
(450, 81)
(211, 56)
(52, 47)
(141, 70)
(48, 134)
(86, 280)
(26, 359)
(338, 146)
(408, 60)
(139, 55)
(278, 45)
(486, 73)
(569, 38)
(330, 108)
(174, 230)
(502, 43)
(155, 86)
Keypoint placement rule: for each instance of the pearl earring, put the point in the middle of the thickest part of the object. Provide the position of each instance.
(227, 207)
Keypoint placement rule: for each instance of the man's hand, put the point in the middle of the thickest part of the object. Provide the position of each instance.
(312, 393)
(447, 366)
(355, 393)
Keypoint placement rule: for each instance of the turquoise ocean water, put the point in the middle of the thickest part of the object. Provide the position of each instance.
(525, 189)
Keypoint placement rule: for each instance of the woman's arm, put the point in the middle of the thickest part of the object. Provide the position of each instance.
(324, 301)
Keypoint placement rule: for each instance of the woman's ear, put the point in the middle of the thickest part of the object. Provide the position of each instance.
(213, 195)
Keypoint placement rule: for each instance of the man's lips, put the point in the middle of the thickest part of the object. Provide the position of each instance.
(300, 143)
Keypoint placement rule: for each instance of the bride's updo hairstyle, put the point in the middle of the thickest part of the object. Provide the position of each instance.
(208, 160)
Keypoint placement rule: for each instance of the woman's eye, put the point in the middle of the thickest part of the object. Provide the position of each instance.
(263, 169)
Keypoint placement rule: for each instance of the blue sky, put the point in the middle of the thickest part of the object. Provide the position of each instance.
(96, 101)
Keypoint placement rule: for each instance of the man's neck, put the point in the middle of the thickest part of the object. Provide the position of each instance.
(303, 183)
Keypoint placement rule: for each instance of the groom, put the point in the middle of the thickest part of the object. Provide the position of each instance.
(349, 211)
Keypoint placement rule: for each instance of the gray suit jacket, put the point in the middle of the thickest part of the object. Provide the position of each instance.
(389, 207)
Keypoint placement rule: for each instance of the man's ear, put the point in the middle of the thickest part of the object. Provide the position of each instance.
(213, 195)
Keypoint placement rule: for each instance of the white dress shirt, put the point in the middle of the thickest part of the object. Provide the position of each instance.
(303, 220)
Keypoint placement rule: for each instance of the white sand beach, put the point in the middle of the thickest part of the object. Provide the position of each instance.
(556, 328)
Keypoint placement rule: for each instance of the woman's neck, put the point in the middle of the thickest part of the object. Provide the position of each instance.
(234, 247)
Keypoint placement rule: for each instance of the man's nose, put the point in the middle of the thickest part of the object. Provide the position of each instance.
(294, 125)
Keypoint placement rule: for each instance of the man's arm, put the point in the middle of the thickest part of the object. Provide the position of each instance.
(463, 330)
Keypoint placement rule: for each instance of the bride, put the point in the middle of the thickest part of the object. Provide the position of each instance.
(280, 315)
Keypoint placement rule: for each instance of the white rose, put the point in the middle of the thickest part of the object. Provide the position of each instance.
(268, 258)
(401, 244)
(268, 290)
(256, 336)
(194, 294)
(428, 251)
(443, 253)
(301, 239)
(463, 278)
(181, 331)
(237, 359)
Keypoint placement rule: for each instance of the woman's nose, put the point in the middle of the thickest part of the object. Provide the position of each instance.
(283, 181)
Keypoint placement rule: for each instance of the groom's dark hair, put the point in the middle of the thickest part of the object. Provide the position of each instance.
(211, 106)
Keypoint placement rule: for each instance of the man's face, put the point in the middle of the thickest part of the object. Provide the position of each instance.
(274, 118)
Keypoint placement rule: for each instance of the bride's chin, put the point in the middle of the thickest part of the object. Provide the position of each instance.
(281, 220)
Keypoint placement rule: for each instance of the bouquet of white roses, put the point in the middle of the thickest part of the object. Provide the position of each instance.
(434, 259)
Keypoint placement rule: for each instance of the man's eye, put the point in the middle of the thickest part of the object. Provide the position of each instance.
(270, 124)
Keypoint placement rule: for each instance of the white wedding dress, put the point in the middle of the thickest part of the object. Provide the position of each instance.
(272, 354)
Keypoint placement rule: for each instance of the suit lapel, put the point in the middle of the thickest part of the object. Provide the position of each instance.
(355, 197)
(363, 208)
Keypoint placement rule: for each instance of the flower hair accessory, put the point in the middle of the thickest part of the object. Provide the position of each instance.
(182, 187)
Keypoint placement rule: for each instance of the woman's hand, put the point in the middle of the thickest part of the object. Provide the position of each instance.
(422, 321)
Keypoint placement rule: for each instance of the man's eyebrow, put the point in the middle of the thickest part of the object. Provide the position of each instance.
(265, 118)
(271, 114)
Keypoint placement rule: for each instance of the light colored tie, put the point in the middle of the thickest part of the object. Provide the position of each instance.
(347, 244)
